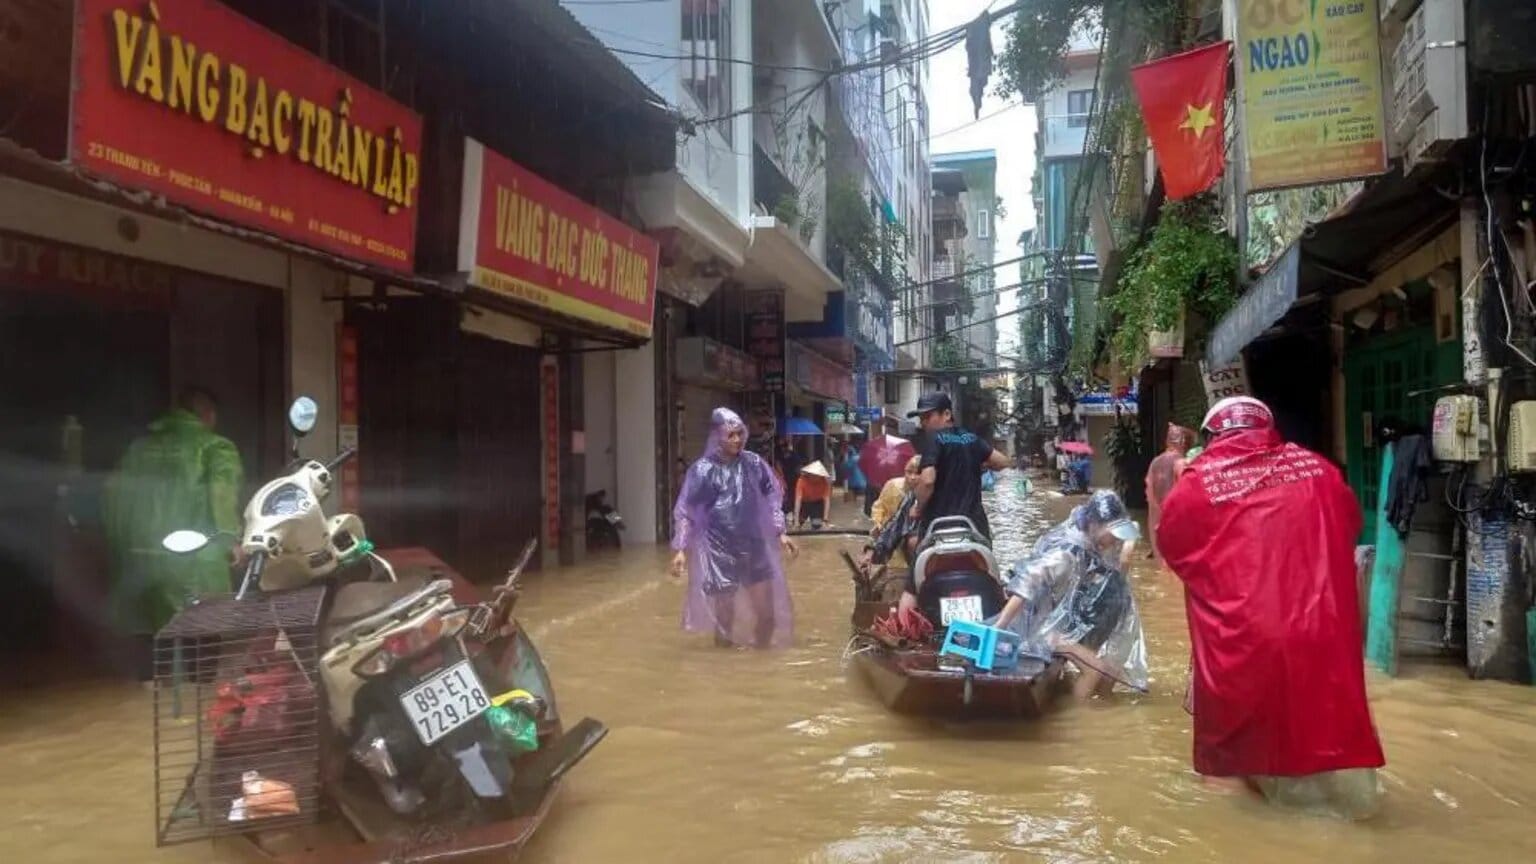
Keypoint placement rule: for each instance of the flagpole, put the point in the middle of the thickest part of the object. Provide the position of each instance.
(1239, 144)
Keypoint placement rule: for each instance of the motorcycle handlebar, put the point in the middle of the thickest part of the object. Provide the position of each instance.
(340, 459)
(253, 568)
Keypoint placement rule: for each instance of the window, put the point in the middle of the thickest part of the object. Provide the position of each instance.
(983, 224)
(1079, 106)
(892, 389)
(707, 42)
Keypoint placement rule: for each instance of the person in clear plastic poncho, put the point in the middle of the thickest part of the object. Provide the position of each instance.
(1071, 597)
(728, 527)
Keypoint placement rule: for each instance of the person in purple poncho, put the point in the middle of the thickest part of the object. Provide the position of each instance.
(726, 525)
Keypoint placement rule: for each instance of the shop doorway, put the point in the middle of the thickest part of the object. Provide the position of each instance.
(501, 493)
(83, 371)
(449, 438)
(1391, 376)
(78, 380)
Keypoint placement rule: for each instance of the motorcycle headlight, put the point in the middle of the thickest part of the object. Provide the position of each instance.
(289, 499)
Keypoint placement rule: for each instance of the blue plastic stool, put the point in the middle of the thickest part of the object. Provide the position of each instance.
(987, 647)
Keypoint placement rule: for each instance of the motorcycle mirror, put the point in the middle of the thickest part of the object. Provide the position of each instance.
(185, 541)
(302, 416)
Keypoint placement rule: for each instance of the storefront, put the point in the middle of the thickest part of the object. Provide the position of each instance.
(711, 375)
(160, 251)
(1360, 325)
(493, 374)
(93, 347)
(816, 385)
(1099, 414)
(844, 352)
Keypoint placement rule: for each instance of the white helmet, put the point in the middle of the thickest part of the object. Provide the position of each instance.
(1237, 412)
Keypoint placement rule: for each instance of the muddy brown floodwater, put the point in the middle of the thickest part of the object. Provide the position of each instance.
(731, 756)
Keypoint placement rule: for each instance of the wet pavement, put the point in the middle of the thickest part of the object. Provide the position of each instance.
(737, 756)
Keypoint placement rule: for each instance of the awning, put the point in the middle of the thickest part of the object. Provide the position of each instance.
(798, 426)
(1345, 250)
(1264, 304)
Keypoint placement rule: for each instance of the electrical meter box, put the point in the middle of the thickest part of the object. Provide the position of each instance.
(1457, 428)
(1522, 437)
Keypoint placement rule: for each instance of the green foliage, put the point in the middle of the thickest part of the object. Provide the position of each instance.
(799, 148)
(949, 353)
(1187, 265)
(852, 227)
(1033, 54)
(1123, 446)
(1277, 218)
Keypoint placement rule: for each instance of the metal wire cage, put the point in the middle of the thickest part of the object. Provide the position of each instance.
(236, 716)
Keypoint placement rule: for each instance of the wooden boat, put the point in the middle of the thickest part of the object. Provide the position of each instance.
(370, 834)
(910, 680)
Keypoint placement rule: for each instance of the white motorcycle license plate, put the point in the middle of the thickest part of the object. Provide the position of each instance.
(445, 702)
(966, 608)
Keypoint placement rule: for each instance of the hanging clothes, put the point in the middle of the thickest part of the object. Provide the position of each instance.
(1409, 486)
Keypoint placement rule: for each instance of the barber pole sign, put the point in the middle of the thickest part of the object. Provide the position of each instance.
(550, 373)
(346, 416)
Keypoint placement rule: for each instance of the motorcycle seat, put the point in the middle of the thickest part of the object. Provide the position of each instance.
(357, 601)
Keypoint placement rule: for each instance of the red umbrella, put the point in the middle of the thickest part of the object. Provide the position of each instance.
(884, 458)
(1076, 447)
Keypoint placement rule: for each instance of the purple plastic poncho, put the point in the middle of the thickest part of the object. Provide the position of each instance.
(728, 520)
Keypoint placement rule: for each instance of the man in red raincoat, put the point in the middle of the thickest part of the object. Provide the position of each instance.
(1262, 534)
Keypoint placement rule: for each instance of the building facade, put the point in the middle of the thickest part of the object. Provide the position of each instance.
(396, 246)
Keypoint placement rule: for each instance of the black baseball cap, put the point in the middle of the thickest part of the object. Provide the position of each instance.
(930, 402)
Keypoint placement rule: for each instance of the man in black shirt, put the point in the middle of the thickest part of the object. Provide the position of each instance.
(953, 460)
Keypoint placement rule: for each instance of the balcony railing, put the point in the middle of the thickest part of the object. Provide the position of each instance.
(1065, 134)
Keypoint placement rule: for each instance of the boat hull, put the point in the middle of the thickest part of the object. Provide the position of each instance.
(912, 683)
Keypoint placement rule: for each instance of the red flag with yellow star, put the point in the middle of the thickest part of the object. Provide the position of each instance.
(1183, 100)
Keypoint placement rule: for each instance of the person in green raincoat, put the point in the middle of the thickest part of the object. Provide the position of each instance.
(179, 475)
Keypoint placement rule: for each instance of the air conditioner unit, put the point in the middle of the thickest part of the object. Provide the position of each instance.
(1396, 11)
(1522, 438)
(1429, 83)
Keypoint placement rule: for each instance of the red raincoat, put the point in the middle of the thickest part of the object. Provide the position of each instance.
(1262, 533)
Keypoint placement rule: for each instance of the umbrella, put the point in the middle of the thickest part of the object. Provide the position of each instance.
(844, 429)
(1075, 447)
(884, 458)
(798, 426)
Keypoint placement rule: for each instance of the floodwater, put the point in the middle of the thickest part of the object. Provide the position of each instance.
(735, 756)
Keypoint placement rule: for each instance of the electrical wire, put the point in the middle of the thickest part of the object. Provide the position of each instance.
(924, 49)
(1496, 236)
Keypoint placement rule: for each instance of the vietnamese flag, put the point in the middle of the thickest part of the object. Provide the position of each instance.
(1183, 100)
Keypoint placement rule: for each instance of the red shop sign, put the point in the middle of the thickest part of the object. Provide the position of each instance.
(189, 100)
(525, 238)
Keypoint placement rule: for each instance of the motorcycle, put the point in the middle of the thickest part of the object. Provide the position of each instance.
(603, 522)
(441, 703)
(955, 574)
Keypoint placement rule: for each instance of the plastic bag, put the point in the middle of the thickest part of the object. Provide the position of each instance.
(264, 798)
(513, 728)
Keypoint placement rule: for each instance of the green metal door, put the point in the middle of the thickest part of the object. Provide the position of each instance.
(1394, 375)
